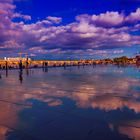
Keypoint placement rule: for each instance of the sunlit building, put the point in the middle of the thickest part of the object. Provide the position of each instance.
(17, 58)
(138, 59)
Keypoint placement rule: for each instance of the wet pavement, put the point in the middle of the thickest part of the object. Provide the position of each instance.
(75, 103)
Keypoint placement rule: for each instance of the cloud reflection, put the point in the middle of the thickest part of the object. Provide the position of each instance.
(107, 90)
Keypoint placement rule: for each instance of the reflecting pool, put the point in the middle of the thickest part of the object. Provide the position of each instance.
(73, 103)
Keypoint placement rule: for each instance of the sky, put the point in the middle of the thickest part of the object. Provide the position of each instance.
(70, 29)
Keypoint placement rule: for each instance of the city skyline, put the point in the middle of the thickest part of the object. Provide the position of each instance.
(70, 29)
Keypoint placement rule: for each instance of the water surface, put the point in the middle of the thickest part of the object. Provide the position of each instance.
(86, 103)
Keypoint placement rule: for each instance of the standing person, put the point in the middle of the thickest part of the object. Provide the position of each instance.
(27, 63)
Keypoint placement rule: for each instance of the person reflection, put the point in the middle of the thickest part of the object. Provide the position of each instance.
(20, 65)
(21, 76)
(27, 71)
(94, 64)
(45, 69)
(64, 65)
(6, 68)
(78, 65)
(45, 66)
(6, 72)
(137, 65)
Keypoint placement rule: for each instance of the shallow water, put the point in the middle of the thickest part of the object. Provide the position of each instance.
(86, 103)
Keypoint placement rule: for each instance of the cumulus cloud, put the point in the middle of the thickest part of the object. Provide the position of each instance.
(134, 16)
(111, 19)
(18, 15)
(54, 19)
(108, 19)
(88, 32)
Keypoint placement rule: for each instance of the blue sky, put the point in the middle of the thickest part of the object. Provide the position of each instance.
(77, 29)
(39, 9)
